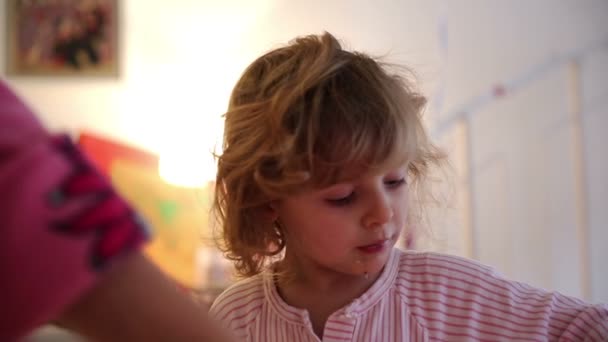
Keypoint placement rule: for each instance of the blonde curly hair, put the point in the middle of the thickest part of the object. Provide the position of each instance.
(303, 116)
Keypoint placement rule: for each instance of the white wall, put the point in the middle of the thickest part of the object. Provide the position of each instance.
(180, 59)
(525, 181)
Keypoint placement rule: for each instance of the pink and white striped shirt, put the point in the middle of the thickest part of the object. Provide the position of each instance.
(419, 297)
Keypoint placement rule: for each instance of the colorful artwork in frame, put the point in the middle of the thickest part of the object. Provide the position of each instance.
(62, 37)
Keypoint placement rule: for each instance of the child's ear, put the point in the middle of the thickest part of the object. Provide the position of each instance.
(269, 212)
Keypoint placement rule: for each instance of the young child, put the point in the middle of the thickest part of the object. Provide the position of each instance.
(70, 247)
(323, 150)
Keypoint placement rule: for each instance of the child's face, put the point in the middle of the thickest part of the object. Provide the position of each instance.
(348, 228)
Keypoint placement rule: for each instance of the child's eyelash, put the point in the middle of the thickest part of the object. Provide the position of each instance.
(346, 200)
(342, 201)
(395, 183)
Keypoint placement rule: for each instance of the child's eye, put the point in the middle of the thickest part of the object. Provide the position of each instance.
(395, 183)
(339, 202)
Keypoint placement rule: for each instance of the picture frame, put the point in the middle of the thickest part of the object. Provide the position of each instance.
(62, 38)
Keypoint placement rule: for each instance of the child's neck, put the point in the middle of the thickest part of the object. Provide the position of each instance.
(312, 277)
(327, 285)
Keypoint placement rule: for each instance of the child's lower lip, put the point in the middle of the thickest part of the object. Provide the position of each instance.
(374, 248)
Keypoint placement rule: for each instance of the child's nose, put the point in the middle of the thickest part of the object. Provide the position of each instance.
(379, 212)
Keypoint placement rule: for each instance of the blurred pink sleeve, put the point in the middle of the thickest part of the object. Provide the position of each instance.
(61, 222)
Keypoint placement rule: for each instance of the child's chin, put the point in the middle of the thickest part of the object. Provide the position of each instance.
(376, 265)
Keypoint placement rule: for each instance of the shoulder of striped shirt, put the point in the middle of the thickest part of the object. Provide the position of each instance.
(431, 271)
(241, 299)
(417, 270)
(438, 264)
(448, 272)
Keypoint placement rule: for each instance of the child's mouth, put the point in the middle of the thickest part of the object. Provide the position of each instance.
(375, 247)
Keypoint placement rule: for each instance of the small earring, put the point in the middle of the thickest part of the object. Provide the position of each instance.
(366, 275)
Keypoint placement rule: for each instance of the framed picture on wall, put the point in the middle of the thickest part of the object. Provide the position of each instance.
(62, 37)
